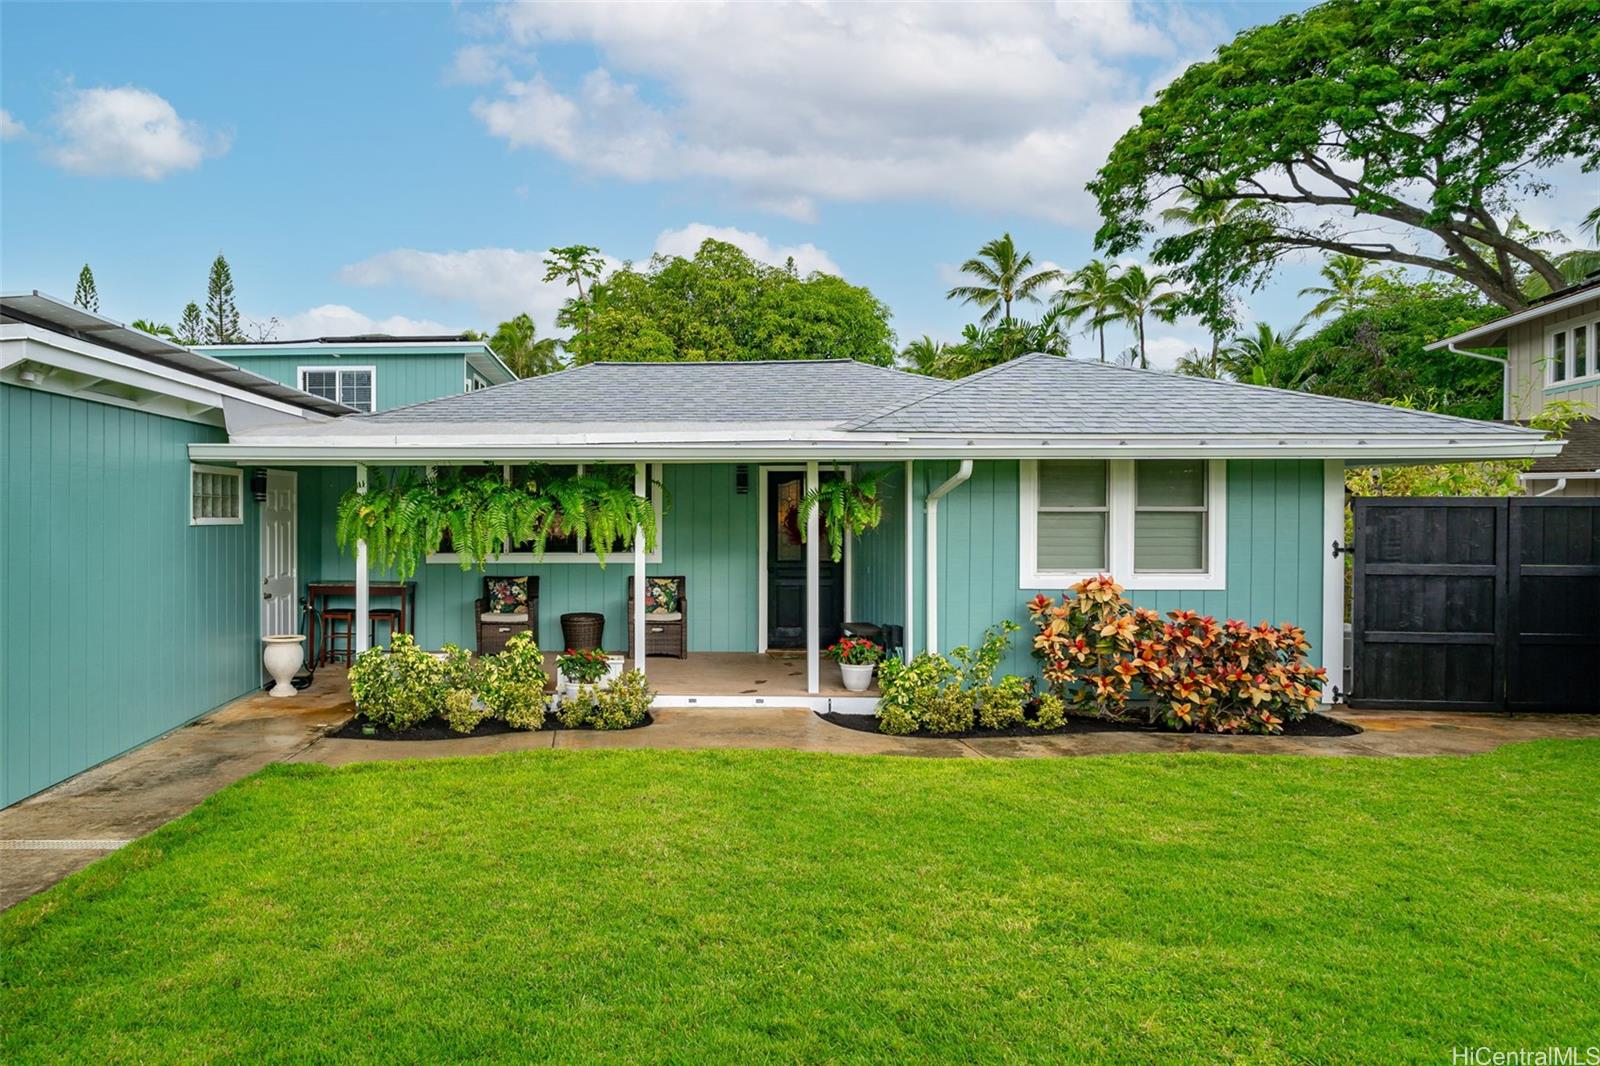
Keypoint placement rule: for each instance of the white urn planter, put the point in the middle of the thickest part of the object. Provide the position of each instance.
(282, 656)
(857, 678)
(614, 665)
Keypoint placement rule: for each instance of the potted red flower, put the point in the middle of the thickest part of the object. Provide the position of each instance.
(857, 659)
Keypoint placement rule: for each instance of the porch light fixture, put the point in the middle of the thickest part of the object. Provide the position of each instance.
(258, 484)
(741, 479)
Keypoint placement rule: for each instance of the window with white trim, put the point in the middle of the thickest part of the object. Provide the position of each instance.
(1150, 523)
(216, 496)
(353, 386)
(563, 548)
(1569, 351)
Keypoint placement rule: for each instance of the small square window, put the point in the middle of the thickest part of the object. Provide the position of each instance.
(216, 496)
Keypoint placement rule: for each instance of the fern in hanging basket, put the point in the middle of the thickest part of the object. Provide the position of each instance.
(846, 505)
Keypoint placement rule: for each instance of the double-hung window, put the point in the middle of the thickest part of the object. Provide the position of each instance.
(1569, 351)
(353, 386)
(1151, 523)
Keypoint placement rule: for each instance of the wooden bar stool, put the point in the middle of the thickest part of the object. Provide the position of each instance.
(389, 616)
(338, 635)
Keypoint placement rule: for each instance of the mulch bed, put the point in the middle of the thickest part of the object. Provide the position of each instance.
(436, 729)
(1312, 725)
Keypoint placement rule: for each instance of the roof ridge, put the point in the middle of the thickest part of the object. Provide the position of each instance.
(474, 392)
(866, 420)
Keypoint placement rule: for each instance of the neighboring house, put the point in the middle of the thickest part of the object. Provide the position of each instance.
(1550, 354)
(136, 560)
(130, 583)
(372, 372)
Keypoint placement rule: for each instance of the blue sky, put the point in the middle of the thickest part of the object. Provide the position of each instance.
(404, 166)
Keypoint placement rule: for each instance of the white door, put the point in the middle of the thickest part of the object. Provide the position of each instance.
(279, 573)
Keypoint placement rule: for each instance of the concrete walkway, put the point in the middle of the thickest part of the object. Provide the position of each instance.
(63, 829)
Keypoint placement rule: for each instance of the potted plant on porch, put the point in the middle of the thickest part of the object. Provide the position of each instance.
(857, 659)
(580, 667)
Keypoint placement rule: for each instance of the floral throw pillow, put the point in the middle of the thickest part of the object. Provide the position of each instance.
(508, 595)
(660, 595)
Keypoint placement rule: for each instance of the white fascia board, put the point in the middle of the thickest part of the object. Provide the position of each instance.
(1367, 450)
(1483, 334)
(20, 342)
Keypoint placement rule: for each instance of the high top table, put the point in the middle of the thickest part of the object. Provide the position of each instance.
(319, 592)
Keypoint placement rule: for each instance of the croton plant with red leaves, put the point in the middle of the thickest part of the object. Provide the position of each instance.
(1230, 677)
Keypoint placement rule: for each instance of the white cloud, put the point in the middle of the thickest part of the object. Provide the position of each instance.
(338, 320)
(807, 257)
(795, 103)
(127, 132)
(10, 127)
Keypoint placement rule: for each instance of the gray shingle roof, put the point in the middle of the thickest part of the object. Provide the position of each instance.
(1051, 396)
(1582, 451)
(826, 391)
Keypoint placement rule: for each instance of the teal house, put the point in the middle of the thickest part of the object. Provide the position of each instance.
(371, 372)
(156, 529)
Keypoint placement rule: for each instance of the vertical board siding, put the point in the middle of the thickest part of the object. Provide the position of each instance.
(1274, 561)
(708, 535)
(118, 619)
(877, 559)
(400, 380)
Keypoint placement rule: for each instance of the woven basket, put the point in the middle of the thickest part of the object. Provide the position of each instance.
(582, 630)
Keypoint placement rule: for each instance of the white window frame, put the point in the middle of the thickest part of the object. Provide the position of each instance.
(509, 556)
(1120, 514)
(236, 474)
(339, 372)
(1590, 323)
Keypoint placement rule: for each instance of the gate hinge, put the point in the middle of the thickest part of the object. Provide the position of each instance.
(1339, 695)
(1342, 549)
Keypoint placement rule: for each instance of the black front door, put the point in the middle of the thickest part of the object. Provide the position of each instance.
(786, 568)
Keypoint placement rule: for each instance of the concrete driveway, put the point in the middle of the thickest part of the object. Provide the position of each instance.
(63, 829)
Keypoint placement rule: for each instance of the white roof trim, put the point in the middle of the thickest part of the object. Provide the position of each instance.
(1486, 332)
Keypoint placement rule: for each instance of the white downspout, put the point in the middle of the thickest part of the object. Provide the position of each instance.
(640, 488)
(1505, 377)
(1560, 484)
(931, 511)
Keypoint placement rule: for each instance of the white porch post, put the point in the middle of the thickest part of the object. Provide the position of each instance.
(363, 592)
(1332, 577)
(813, 589)
(639, 487)
(910, 635)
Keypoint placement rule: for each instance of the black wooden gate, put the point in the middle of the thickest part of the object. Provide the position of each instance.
(1477, 604)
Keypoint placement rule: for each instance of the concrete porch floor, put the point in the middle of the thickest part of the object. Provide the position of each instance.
(135, 793)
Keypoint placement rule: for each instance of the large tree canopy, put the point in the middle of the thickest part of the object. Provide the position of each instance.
(722, 305)
(1386, 129)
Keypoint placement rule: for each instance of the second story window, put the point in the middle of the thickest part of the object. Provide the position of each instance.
(1569, 351)
(353, 386)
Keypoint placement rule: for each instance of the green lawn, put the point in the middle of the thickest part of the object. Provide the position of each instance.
(773, 905)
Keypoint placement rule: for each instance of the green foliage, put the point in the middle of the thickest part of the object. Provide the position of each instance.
(847, 504)
(1352, 116)
(1051, 712)
(1002, 275)
(512, 683)
(405, 517)
(983, 346)
(943, 695)
(221, 322)
(724, 306)
(584, 666)
(85, 295)
(400, 687)
(191, 326)
(1001, 705)
(463, 711)
(1138, 296)
(155, 329)
(517, 343)
(1091, 297)
(1496, 477)
(621, 704)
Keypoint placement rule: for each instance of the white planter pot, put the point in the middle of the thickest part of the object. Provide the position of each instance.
(857, 678)
(614, 665)
(282, 656)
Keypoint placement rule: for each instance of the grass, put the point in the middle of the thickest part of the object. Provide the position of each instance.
(686, 906)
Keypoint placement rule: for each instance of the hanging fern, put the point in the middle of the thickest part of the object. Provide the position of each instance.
(846, 505)
(403, 518)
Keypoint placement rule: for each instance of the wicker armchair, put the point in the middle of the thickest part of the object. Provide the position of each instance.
(665, 617)
(508, 606)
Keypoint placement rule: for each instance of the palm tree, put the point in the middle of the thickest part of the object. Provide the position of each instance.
(923, 354)
(1265, 357)
(515, 342)
(1140, 295)
(1349, 286)
(1091, 296)
(1198, 364)
(1002, 273)
(1210, 206)
(155, 329)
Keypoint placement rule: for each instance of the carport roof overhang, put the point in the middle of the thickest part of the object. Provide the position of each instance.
(372, 449)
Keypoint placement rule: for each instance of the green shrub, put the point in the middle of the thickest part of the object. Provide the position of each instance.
(621, 704)
(463, 710)
(1052, 712)
(400, 687)
(1002, 705)
(941, 695)
(908, 690)
(950, 710)
(513, 683)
